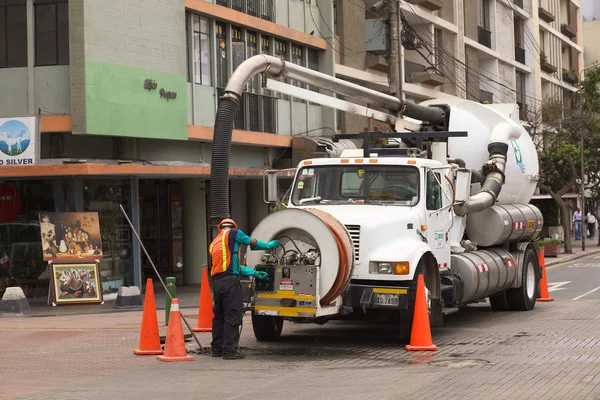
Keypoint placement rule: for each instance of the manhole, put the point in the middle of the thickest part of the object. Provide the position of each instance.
(459, 363)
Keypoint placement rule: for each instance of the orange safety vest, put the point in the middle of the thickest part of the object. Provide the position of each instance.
(220, 252)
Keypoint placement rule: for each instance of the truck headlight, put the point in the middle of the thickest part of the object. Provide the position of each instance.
(389, 268)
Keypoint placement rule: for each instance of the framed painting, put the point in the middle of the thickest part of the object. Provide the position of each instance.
(76, 283)
(70, 236)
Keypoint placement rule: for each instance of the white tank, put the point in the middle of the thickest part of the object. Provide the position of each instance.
(522, 166)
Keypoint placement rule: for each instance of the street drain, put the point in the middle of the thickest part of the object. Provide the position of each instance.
(459, 363)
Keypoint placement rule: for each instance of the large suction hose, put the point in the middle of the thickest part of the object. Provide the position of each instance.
(276, 67)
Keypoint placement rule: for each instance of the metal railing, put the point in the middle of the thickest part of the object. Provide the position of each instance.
(264, 9)
(484, 36)
(257, 113)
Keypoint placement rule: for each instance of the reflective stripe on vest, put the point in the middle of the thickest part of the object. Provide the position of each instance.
(224, 238)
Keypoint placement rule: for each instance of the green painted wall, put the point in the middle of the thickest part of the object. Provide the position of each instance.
(118, 105)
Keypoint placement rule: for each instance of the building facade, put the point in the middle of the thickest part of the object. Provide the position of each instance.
(124, 96)
(492, 51)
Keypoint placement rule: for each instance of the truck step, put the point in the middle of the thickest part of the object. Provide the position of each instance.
(449, 310)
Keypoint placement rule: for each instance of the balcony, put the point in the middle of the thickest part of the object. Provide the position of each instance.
(429, 78)
(568, 30)
(519, 54)
(264, 9)
(546, 15)
(546, 65)
(484, 36)
(432, 5)
(256, 113)
(570, 76)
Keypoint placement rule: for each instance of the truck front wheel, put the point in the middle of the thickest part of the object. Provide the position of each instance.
(523, 298)
(267, 328)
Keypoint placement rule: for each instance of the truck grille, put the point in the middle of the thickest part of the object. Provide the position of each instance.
(354, 231)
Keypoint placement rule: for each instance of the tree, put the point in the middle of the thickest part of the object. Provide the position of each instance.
(557, 126)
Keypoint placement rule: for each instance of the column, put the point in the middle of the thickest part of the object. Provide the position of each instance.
(195, 245)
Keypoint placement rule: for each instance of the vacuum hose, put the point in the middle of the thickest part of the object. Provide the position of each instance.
(221, 150)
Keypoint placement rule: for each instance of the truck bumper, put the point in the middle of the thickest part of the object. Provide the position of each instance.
(377, 297)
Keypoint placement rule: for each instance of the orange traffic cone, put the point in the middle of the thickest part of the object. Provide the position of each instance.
(149, 336)
(205, 309)
(544, 295)
(420, 335)
(175, 345)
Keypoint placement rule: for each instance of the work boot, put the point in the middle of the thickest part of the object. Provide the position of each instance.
(238, 355)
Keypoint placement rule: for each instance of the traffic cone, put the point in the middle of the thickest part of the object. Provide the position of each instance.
(149, 336)
(544, 295)
(205, 309)
(420, 335)
(175, 345)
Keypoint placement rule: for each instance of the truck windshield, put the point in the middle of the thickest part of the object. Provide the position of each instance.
(336, 184)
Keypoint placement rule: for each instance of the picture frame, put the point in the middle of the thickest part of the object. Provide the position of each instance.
(75, 283)
(123, 235)
(70, 236)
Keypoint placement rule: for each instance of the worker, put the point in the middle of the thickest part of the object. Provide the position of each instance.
(227, 290)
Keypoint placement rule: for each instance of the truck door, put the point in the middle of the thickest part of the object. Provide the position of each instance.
(438, 196)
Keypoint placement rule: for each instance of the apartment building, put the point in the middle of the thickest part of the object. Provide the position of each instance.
(492, 51)
(118, 100)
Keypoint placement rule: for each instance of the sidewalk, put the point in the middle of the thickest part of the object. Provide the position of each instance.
(591, 247)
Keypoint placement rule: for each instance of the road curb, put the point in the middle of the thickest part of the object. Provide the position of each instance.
(571, 257)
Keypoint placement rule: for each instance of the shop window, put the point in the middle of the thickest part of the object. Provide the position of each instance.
(202, 54)
(104, 196)
(221, 55)
(51, 32)
(13, 33)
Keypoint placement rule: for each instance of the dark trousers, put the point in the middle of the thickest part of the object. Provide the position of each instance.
(591, 228)
(228, 310)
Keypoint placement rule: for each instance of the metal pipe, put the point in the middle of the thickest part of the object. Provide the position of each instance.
(277, 67)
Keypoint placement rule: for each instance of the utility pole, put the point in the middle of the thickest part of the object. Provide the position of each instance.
(393, 7)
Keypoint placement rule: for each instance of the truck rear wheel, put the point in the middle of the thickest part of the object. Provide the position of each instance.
(267, 328)
(523, 298)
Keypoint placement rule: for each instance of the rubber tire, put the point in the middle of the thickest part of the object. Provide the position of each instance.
(517, 298)
(499, 302)
(267, 328)
(406, 316)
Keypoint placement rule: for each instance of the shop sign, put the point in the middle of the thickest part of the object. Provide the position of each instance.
(18, 141)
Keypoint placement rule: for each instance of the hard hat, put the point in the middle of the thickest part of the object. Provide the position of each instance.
(227, 223)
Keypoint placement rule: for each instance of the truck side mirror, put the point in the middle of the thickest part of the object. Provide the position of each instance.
(270, 188)
(463, 185)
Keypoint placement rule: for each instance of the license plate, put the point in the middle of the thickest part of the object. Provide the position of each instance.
(387, 299)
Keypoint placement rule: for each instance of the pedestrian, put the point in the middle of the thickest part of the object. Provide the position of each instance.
(577, 223)
(228, 307)
(591, 223)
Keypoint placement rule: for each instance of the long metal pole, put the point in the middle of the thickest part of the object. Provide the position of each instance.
(395, 78)
(583, 228)
(157, 274)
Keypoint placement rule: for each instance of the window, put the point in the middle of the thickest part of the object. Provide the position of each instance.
(252, 50)
(484, 14)
(265, 48)
(202, 51)
(336, 184)
(238, 47)
(434, 191)
(298, 59)
(51, 32)
(281, 52)
(439, 47)
(13, 33)
(221, 55)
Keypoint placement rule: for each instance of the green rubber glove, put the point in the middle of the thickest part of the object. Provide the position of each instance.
(262, 275)
(273, 244)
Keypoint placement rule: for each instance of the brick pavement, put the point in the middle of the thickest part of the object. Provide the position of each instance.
(552, 352)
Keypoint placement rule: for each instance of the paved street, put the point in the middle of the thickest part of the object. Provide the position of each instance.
(552, 352)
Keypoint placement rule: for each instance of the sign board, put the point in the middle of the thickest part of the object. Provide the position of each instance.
(19, 141)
